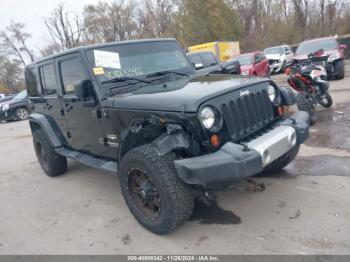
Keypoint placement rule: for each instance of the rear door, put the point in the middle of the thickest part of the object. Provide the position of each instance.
(85, 128)
(50, 103)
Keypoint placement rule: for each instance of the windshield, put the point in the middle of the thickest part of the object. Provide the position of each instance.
(244, 59)
(274, 51)
(313, 46)
(20, 96)
(138, 60)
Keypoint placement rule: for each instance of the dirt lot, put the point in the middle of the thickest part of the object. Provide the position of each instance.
(304, 210)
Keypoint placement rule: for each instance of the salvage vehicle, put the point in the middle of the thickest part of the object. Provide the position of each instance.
(280, 57)
(310, 81)
(332, 58)
(17, 108)
(253, 64)
(222, 50)
(206, 62)
(139, 110)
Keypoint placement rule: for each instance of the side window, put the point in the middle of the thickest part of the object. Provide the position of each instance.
(31, 82)
(195, 59)
(208, 59)
(72, 72)
(48, 79)
(257, 59)
(286, 50)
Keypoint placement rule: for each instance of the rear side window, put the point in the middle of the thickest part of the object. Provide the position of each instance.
(208, 59)
(72, 72)
(31, 82)
(48, 79)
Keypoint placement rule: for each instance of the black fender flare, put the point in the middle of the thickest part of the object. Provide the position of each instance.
(52, 134)
(170, 141)
(288, 97)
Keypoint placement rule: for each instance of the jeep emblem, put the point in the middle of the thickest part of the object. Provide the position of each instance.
(244, 93)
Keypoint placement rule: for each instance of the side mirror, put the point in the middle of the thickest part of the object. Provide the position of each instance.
(288, 52)
(343, 46)
(83, 89)
(198, 66)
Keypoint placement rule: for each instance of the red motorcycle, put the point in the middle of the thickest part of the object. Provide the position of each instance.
(310, 81)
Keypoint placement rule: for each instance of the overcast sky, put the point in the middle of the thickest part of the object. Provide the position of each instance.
(32, 13)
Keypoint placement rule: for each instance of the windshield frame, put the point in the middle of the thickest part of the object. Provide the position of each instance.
(188, 70)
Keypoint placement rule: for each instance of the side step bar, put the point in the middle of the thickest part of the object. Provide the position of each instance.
(105, 165)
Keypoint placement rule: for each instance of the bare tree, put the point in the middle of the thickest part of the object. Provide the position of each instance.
(108, 22)
(13, 42)
(66, 30)
(155, 18)
(10, 74)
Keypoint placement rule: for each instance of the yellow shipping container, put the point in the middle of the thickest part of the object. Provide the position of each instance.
(223, 50)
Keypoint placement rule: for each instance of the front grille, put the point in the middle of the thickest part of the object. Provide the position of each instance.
(272, 61)
(246, 114)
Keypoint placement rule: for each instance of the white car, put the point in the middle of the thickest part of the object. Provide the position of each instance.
(279, 57)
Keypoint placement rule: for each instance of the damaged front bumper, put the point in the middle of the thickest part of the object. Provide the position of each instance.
(235, 161)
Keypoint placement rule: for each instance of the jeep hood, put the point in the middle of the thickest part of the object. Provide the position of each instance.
(180, 94)
(274, 56)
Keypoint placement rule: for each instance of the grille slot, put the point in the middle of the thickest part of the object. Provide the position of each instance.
(246, 114)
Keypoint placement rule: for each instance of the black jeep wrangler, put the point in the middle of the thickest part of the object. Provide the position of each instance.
(137, 109)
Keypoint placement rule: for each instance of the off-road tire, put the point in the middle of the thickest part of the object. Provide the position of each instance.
(177, 198)
(329, 101)
(339, 69)
(52, 163)
(304, 104)
(282, 161)
(22, 113)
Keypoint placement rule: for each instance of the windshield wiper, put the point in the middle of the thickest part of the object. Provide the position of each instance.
(125, 79)
(164, 73)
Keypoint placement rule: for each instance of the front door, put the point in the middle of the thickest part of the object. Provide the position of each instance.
(85, 129)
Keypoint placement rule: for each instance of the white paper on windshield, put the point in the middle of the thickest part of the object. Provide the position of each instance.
(107, 59)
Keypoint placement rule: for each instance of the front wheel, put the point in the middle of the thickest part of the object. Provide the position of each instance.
(22, 113)
(155, 195)
(326, 100)
(339, 69)
(305, 103)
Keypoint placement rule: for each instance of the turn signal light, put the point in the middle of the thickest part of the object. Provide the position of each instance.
(215, 140)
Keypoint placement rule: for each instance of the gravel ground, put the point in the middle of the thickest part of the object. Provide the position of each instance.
(303, 210)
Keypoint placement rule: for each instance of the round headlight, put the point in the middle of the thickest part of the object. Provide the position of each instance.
(207, 117)
(272, 93)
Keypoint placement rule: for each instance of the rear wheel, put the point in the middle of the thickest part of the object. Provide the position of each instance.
(52, 163)
(305, 103)
(339, 69)
(155, 195)
(22, 113)
(326, 100)
(282, 161)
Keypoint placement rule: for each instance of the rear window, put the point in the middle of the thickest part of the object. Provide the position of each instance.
(31, 82)
(48, 79)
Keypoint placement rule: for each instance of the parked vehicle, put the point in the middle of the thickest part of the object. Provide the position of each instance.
(206, 62)
(222, 50)
(253, 64)
(309, 80)
(332, 58)
(279, 57)
(138, 109)
(15, 109)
